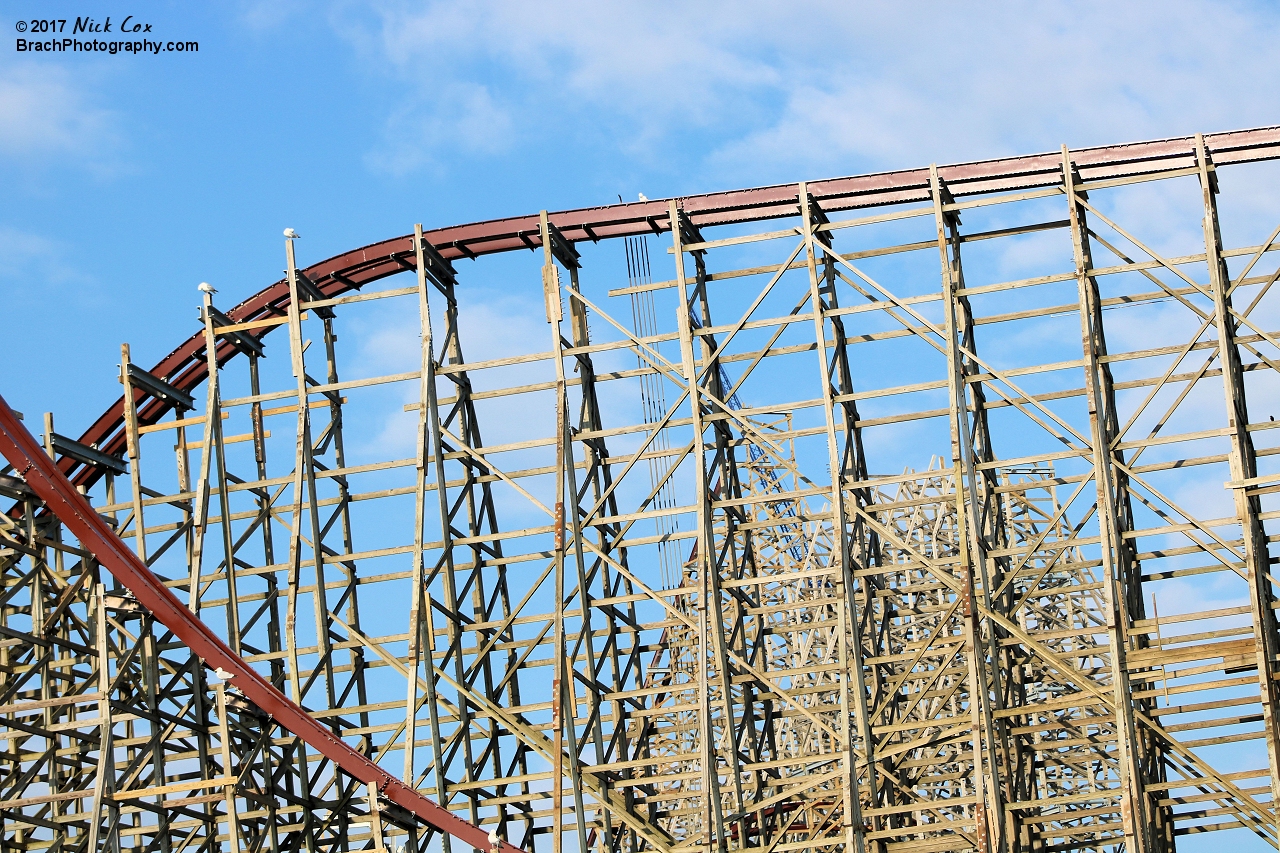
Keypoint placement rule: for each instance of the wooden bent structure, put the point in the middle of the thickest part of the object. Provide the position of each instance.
(753, 548)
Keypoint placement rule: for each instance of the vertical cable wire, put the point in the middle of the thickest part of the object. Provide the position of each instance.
(653, 405)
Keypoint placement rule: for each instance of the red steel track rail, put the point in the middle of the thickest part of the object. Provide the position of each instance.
(186, 367)
(61, 496)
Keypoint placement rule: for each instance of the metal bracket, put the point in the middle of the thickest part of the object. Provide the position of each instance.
(312, 293)
(563, 249)
(247, 344)
(86, 455)
(158, 388)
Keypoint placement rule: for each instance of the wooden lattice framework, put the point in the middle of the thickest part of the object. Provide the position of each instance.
(885, 585)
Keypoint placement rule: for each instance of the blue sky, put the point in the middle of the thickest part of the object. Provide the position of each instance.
(125, 180)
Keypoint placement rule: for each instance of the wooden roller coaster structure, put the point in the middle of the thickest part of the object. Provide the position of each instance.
(751, 547)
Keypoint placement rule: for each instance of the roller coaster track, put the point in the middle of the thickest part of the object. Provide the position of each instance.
(58, 493)
(943, 654)
(352, 270)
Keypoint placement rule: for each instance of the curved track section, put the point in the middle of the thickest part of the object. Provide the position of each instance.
(872, 565)
(35, 467)
(186, 369)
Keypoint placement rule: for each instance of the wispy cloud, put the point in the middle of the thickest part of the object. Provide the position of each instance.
(26, 256)
(463, 117)
(770, 90)
(913, 84)
(47, 115)
(510, 73)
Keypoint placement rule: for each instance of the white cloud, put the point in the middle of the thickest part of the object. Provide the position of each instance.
(781, 92)
(1199, 594)
(1015, 78)
(27, 257)
(45, 113)
(632, 58)
(465, 118)
(505, 72)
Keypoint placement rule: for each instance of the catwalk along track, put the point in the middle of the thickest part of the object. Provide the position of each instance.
(806, 517)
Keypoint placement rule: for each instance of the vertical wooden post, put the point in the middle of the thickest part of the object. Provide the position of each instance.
(302, 438)
(854, 834)
(713, 820)
(303, 484)
(132, 448)
(447, 567)
(1244, 466)
(990, 833)
(430, 425)
(1111, 528)
(212, 421)
(228, 772)
(104, 780)
(306, 462)
(596, 461)
(433, 709)
(555, 313)
(417, 567)
(375, 819)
